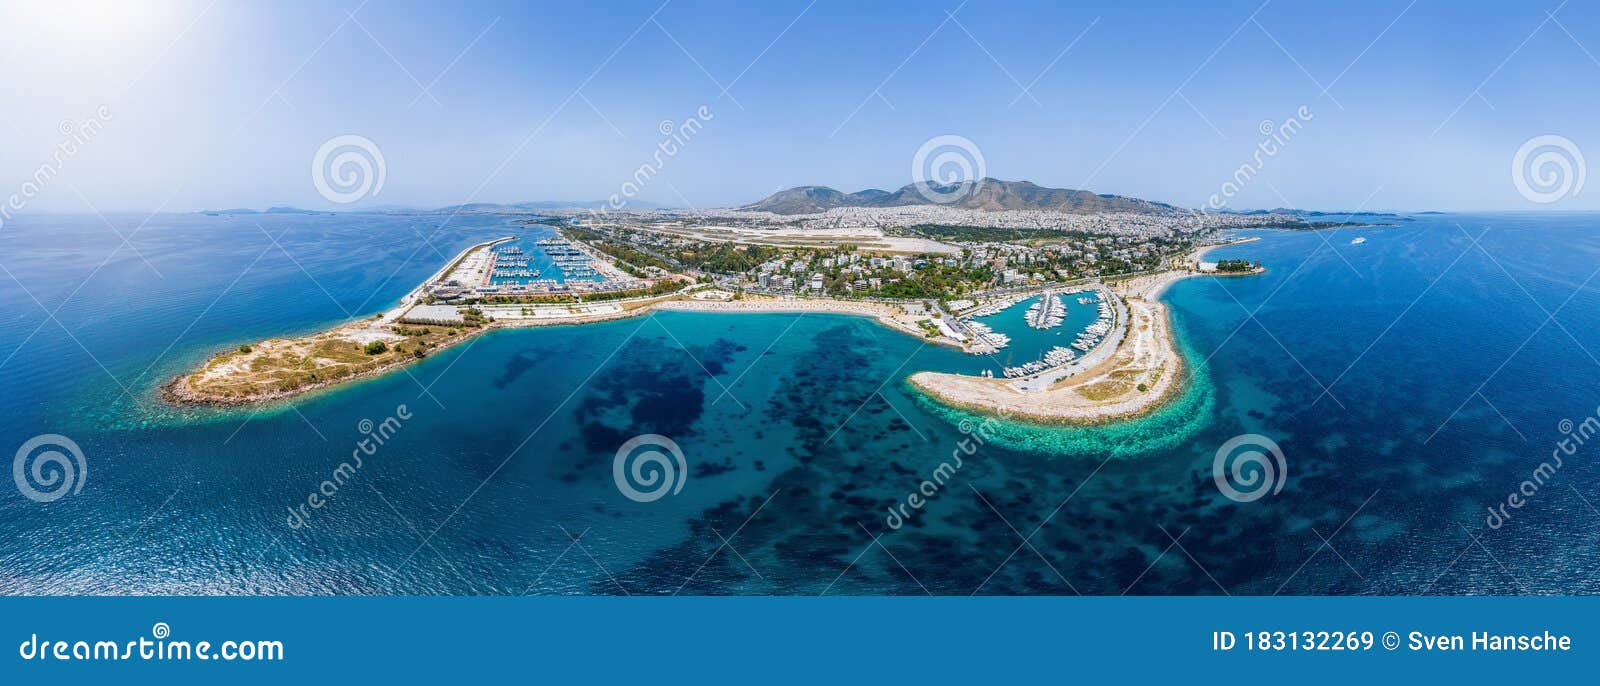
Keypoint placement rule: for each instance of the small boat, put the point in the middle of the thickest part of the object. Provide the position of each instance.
(1359, 240)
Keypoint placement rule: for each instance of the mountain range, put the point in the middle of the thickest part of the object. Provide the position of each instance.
(989, 195)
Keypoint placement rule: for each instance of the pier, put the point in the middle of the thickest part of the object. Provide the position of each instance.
(1048, 313)
(428, 285)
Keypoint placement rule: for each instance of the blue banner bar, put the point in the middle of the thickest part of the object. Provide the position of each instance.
(797, 640)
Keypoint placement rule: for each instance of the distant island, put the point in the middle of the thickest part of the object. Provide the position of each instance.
(1320, 213)
(269, 210)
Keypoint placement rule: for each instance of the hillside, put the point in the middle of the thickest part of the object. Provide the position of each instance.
(990, 195)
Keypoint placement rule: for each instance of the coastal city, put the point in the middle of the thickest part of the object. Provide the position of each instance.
(954, 252)
(1068, 319)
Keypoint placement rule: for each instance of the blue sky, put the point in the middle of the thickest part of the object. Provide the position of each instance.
(224, 104)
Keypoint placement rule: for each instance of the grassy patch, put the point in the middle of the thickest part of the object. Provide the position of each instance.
(286, 366)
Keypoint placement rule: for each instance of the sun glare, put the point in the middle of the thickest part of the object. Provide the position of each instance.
(92, 20)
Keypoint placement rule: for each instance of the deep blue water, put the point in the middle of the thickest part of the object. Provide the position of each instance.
(1447, 379)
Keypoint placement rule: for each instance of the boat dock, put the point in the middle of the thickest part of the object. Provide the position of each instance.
(1048, 313)
(1099, 341)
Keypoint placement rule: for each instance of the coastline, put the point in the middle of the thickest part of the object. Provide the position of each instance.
(181, 389)
(1140, 373)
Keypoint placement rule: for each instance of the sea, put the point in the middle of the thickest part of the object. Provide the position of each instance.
(1403, 415)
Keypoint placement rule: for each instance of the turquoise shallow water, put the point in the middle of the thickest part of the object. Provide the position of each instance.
(1448, 381)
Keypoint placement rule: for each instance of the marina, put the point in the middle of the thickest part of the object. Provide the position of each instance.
(985, 339)
(545, 265)
(995, 306)
(1035, 338)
